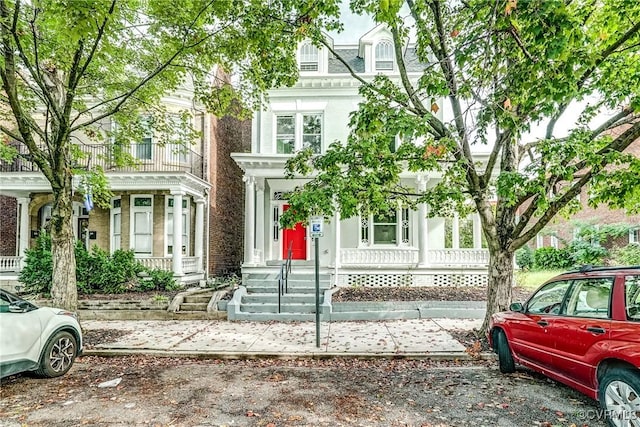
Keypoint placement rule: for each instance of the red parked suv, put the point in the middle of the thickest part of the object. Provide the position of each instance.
(581, 328)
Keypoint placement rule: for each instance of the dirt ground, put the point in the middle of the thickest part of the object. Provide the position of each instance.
(277, 393)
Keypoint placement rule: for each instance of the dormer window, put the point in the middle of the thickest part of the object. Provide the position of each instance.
(384, 55)
(309, 57)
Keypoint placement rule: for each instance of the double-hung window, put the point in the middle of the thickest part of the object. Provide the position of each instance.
(634, 236)
(176, 147)
(143, 148)
(391, 228)
(384, 55)
(142, 227)
(298, 131)
(116, 224)
(185, 226)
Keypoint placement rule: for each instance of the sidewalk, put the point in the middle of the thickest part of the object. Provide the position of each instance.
(417, 338)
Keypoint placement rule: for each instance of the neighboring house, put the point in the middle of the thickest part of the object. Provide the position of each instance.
(403, 248)
(562, 230)
(201, 179)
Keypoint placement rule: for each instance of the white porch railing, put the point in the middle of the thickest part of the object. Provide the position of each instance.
(367, 256)
(459, 256)
(189, 264)
(10, 263)
(378, 256)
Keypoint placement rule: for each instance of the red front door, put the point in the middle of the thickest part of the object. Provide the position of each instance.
(297, 238)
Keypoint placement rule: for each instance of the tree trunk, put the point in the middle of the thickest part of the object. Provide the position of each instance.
(500, 284)
(63, 290)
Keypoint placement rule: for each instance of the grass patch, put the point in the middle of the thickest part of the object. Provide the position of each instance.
(533, 279)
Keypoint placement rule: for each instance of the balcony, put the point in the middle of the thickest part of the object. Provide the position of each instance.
(146, 158)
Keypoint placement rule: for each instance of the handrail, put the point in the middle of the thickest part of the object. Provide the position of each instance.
(283, 277)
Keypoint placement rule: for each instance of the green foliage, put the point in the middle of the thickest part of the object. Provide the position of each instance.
(158, 280)
(585, 252)
(96, 271)
(628, 255)
(524, 257)
(549, 258)
(38, 265)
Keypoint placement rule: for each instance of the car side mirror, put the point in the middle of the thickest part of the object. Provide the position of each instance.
(516, 306)
(13, 308)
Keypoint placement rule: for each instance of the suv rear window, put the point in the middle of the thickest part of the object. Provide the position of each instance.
(632, 297)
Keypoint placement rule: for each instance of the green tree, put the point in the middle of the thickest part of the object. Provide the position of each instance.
(501, 69)
(68, 64)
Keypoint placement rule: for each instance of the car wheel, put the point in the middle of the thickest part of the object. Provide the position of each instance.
(619, 394)
(58, 355)
(505, 358)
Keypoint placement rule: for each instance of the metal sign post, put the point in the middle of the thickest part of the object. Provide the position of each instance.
(317, 223)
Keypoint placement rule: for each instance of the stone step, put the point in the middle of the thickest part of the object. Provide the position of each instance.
(273, 308)
(193, 306)
(280, 317)
(273, 289)
(197, 299)
(297, 298)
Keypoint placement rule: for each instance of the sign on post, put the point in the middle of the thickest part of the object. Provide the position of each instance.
(317, 223)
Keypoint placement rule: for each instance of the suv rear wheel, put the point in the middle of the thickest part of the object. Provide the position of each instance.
(619, 394)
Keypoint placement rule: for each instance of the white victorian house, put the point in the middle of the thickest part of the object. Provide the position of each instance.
(404, 248)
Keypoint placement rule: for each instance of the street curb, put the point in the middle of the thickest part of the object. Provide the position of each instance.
(452, 356)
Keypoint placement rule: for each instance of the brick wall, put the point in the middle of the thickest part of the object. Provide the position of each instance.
(8, 226)
(226, 210)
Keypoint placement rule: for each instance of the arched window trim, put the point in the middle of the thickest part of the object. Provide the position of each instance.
(384, 56)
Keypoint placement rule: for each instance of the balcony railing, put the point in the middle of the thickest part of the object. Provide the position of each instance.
(10, 263)
(189, 264)
(145, 157)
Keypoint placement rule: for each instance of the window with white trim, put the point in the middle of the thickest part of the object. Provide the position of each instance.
(297, 131)
(384, 55)
(142, 225)
(116, 224)
(309, 57)
(143, 149)
(634, 236)
(554, 242)
(176, 147)
(169, 225)
(392, 228)
(539, 241)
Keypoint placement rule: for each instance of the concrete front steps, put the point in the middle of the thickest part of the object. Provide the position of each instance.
(196, 304)
(257, 299)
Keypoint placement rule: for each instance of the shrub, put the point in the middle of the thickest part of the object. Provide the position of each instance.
(584, 252)
(524, 258)
(549, 258)
(96, 270)
(628, 255)
(158, 280)
(37, 274)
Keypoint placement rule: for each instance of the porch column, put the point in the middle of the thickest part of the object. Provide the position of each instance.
(23, 243)
(249, 217)
(177, 233)
(477, 232)
(260, 213)
(198, 241)
(423, 231)
(336, 221)
(455, 232)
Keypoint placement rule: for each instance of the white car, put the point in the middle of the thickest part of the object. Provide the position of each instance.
(40, 339)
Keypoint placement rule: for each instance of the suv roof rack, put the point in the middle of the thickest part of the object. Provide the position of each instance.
(588, 267)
